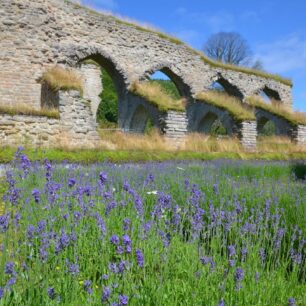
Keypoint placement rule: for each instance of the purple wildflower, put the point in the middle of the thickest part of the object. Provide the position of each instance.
(105, 294)
(9, 268)
(205, 260)
(139, 258)
(291, 301)
(114, 239)
(239, 274)
(4, 223)
(11, 281)
(87, 286)
(123, 300)
(1, 293)
(231, 250)
(71, 182)
(221, 303)
(121, 266)
(103, 177)
(36, 195)
(51, 293)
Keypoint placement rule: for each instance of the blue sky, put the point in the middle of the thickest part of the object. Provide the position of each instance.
(274, 29)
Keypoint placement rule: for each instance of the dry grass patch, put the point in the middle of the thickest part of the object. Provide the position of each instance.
(23, 109)
(232, 105)
(197, 142)
(278, 109)
(117, 140)
(59, 78)
(272, 144)
(156, 95)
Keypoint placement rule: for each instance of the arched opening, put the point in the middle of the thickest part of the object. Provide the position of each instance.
(223, 86)
(269, 95)
(140, 120)
(105, 87)
(266, 127)
(210, 124)
(171, 83)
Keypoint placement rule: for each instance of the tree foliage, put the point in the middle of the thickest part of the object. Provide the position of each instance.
(230, 48)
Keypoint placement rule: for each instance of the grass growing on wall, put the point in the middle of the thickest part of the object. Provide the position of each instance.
(155, 94)
(278, 109)
(23, 109)
(59, 78)
(232, 105)
(205, 59)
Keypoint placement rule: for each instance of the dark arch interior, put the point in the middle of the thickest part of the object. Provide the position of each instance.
(222, 85)
(266, 127)
(211, 124)
(269, 94)
(139, 120)
(113, 91)
(182, 89)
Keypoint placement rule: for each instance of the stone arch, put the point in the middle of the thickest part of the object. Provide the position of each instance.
(118, 75)
(282, 126)
(261, 124)
(139, 119)
(206, 123)
(272, 94)
(201, 116)
(229, 88)
(183, 87)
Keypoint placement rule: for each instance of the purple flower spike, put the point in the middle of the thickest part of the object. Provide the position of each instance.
(291, 301)
(36, 195)
(123, 300)
(114, 240)
(103, 177)
(1, 293)
(51, 293)
(105, 295)
(139, 258)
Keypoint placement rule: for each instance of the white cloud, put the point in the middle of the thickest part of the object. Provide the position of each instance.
(284, 55)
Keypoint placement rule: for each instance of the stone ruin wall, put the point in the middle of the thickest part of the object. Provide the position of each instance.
(74, 128)
(38, 34)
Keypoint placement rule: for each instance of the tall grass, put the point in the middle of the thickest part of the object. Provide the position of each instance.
(24, 109)
(59, 78)
(155, 94)
(232, 105)
(278, 109)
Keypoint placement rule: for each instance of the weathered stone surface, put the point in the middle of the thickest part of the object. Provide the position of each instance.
(42, 131)
(37, 34)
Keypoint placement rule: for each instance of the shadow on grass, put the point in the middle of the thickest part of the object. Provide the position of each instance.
(299, 170)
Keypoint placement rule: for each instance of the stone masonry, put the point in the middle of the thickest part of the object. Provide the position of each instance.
(37, 34)
(75, 128)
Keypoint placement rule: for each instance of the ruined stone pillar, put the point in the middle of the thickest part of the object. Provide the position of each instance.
(247, 134)
(174, 126)
(299, 134)
(78, 127)
(92, 86)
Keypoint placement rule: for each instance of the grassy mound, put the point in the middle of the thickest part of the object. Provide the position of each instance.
(155, 94)
(279, 110)
(233, 106)
(23, 109)
(59, 78)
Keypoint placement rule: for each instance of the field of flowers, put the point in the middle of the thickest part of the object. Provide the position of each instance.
(199, 233)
